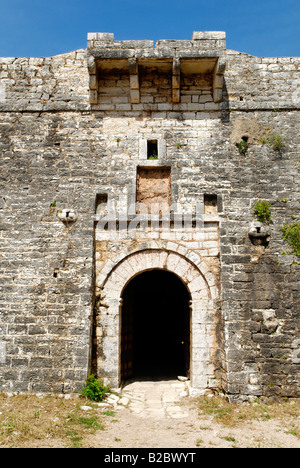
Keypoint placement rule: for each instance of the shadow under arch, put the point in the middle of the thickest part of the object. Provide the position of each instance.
(155, 327)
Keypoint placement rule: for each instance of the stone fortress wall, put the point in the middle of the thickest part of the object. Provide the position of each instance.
(74, 131)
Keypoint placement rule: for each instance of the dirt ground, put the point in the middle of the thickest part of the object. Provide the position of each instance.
(208, 422)
(147, 415)
(126, 430)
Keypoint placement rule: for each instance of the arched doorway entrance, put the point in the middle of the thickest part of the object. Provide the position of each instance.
(202, 292)
(155, 327)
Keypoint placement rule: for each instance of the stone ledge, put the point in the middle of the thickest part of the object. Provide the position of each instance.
(200, 39)
(208, 35)
(100, 36)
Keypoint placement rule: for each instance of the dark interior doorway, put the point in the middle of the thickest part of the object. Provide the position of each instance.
(155, 327)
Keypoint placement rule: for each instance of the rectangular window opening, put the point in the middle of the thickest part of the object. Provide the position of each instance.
(210, 204)
(101, 203)
(152, 149)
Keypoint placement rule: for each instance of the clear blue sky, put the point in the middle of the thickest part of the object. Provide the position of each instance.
(44, 28)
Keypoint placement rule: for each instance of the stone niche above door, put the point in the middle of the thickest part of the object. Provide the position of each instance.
(153, 190)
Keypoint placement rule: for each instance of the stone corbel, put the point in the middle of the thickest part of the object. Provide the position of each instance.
(218, 79)
(134, 81)
(67, 216)
(176, 80)
(92, 67)
(259, 234)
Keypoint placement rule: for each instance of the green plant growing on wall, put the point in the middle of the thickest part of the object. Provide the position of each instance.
(154, 156)
(276, 142)
(262, 211)
(94, 389)
(243, 147)
(291, 235)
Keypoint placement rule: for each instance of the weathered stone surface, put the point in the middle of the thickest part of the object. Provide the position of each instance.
(59, 150)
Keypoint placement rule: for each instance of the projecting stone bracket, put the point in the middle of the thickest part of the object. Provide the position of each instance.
(93, 81)
(259, 234)
(176, 80)
(67, 216)
(134, 80)
(218, 79)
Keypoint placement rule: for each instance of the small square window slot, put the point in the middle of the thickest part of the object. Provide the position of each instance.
(101, 203)
(210, 204)
(152, 149)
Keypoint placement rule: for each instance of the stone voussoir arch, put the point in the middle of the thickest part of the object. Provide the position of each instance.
(143, 260)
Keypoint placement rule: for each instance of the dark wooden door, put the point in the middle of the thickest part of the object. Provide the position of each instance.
(126, 342)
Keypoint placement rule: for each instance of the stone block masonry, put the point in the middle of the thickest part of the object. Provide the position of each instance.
(74, 136)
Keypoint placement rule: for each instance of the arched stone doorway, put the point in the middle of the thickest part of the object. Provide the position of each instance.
(155, 327)
(193, 272)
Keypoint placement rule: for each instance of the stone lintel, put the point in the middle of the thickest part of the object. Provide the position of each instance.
(99, 54)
